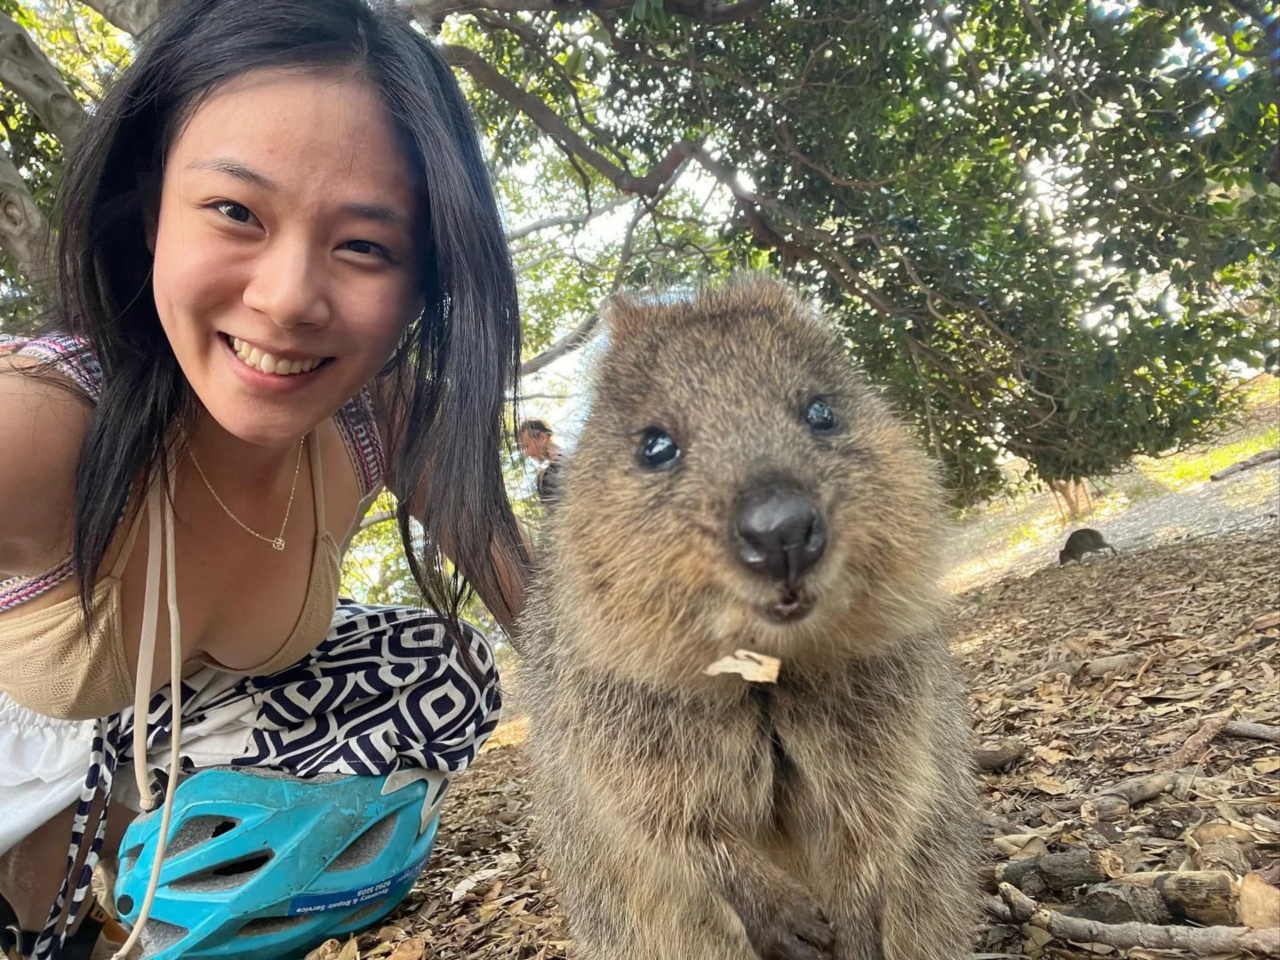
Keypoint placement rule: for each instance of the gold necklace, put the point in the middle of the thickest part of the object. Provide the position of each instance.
(278, 542)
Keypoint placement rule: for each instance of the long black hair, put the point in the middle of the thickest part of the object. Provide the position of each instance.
(456, 361)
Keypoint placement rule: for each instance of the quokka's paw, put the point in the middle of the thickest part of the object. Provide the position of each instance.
(795, 929)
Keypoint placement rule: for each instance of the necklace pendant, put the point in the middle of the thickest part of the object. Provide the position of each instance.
(277, 543)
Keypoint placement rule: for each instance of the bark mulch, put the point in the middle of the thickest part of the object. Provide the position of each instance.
(1127, 712)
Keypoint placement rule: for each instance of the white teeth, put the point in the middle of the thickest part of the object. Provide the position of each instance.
(267, 363)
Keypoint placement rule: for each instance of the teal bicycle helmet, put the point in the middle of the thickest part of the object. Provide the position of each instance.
(263, 865)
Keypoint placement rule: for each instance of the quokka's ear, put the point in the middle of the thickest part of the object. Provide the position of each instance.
(758, 291)
(626, 316)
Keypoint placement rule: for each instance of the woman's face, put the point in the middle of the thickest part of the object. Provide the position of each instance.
(285, 268)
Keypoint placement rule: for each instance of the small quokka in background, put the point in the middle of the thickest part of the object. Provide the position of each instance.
(737, 486)
(1085, 540)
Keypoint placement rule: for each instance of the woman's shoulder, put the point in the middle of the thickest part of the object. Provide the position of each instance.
(43, 424)
(60, 354)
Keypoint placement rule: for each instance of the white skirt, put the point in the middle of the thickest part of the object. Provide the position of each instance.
(43, 760)
(42, 765)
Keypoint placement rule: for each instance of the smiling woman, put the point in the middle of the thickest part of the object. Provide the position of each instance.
(272, 307)
(286, 222)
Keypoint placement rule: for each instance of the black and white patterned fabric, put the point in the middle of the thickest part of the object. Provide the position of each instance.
(385, 690)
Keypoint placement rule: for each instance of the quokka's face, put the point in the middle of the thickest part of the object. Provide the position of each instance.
(737, 475)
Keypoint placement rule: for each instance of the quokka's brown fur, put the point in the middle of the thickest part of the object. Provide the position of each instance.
(695, 817)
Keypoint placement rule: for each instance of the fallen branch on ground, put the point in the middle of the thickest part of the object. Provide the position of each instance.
(1197, 743)
(1208, 897)
(1059, 871)
(1257, 460)
(1114, 802)
(997, 755)
(1202, 941)
(1090, 669)
(1254, 731)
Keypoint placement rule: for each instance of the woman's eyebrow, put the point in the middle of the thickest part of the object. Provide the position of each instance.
(235, 169)
(373, 211)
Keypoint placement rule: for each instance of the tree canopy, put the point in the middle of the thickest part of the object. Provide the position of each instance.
(1047, 227)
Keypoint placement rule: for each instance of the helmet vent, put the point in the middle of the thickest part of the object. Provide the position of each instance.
(157, 935)
(227, 876)
(241, 867)
(129, 858)
(199, 830)
(270, 925)
(364, 849)
(368, 912)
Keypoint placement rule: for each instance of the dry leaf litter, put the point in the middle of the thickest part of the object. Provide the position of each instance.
(1148, 676)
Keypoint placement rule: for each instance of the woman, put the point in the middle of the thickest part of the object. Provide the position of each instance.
(283, 288)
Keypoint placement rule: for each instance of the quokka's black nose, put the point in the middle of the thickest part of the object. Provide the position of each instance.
(778, 532)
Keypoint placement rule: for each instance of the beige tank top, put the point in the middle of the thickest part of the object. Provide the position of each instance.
(48, 663)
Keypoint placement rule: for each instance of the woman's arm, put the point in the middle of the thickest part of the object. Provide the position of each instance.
(42, 427)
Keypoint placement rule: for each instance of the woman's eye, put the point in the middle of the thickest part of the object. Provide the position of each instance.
(234, 211)
(657, 449)
(820, 417)
(367, 248)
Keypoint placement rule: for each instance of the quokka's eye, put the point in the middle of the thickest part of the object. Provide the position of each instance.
(820, 417)
(657, 449)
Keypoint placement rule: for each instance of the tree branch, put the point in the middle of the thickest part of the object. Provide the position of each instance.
(24, 232)
(765, 233)
(382, 516)
(547, 396)
(1202, 941)
(527, 265)
(570, 342)
(659, 175)
(26, 71)
(131, 16)
(578, 336)
(704, 11)
(788, 141)
(561, 133)
(580, 218)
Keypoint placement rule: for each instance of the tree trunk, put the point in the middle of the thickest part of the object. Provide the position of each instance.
(26, 71)
(24, 232)
(131, 16)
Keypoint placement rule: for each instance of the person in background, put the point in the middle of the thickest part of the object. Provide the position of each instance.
(538, 443)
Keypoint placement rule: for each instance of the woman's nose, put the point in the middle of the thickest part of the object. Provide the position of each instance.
(288, 285)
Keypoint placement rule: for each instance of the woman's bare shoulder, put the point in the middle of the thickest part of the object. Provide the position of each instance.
(43, 422)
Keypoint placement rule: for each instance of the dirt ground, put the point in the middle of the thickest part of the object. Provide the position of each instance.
(1123, 705)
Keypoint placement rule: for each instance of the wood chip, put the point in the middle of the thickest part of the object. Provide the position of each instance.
(1259, 902)
(412, 949)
